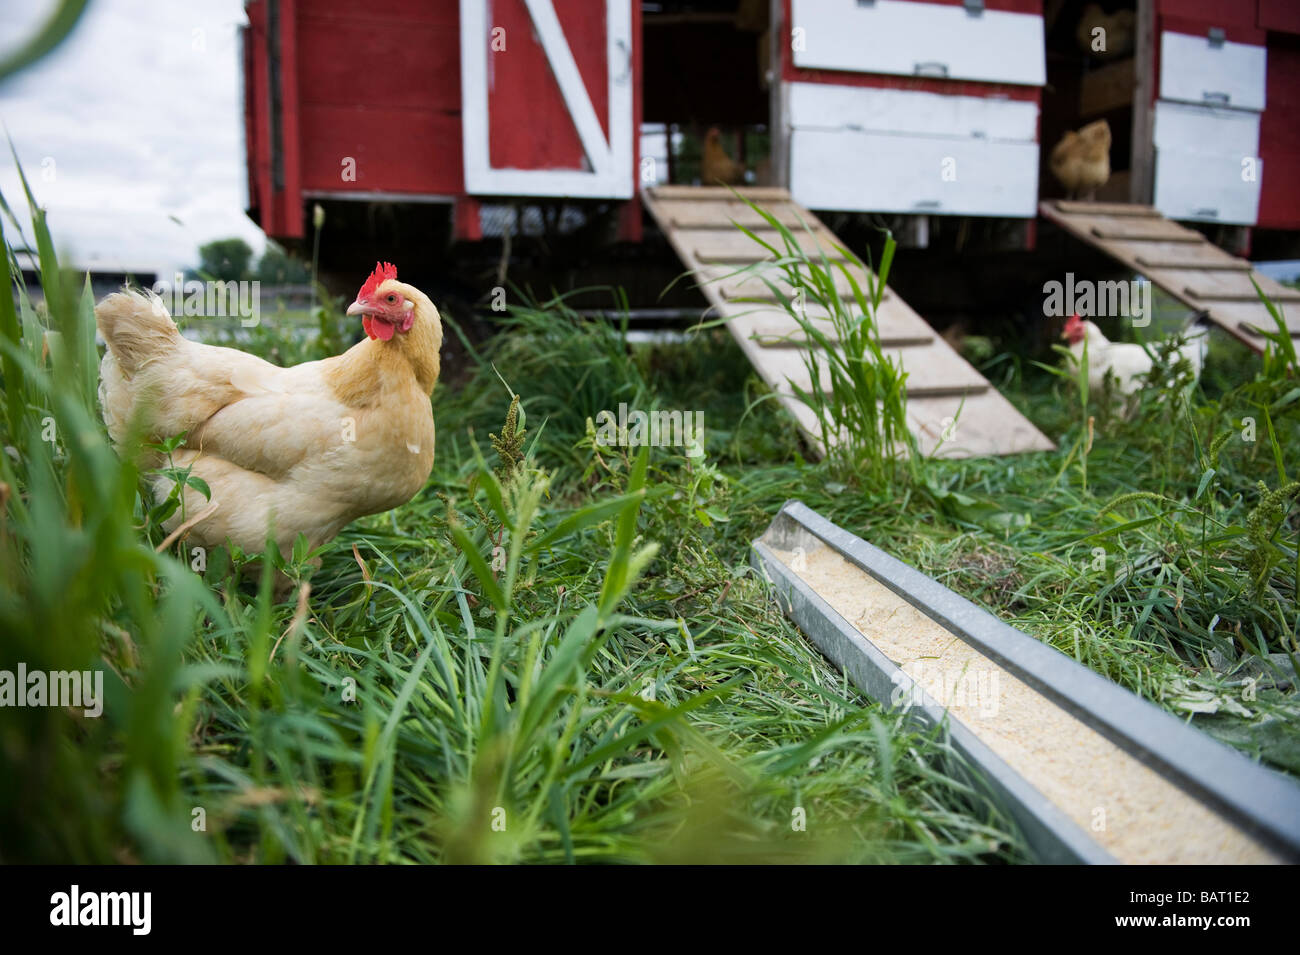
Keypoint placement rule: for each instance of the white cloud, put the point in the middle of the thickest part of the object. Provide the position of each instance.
(131, 132)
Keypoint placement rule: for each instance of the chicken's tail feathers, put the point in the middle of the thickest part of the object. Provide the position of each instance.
(136, 327)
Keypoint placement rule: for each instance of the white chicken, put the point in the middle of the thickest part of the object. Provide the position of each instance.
(1127, 364)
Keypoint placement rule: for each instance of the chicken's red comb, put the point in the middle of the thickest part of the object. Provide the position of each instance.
(383, 271)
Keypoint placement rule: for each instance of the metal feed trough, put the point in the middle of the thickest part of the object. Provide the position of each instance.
(1089, 771)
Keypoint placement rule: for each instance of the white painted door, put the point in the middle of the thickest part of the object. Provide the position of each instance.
(606, 169)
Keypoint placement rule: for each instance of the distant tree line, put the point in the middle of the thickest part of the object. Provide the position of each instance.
(231, 260)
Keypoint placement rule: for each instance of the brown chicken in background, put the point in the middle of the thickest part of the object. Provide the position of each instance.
(299, 450)
(716, 166)
(1116, 38)
(1081, 161)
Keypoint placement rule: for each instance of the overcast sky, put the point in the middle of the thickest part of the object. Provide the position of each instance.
(137, 118)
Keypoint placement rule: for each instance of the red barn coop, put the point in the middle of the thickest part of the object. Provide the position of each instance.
(530, 137)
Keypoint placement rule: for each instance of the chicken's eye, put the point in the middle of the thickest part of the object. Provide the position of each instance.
(392, 299)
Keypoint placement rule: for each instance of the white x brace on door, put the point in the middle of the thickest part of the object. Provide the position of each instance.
(609, 172)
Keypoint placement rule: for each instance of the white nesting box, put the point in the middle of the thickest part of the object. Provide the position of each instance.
(1207, 165)
(937, 112)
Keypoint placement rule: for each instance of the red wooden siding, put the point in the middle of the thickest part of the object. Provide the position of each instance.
(1234, 30)
(1282, 15)
(367, 83)
(529, 124)
(793, 74)
(290, 211)
(1219, 13)
(251, 113)
(261, 197)
(1279, 139)
(380, 82)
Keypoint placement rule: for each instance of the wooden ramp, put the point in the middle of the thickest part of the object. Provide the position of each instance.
(700, 223)
(1209, 281)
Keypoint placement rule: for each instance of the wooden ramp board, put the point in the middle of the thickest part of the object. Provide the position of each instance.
(1191, 268)
(952, 409)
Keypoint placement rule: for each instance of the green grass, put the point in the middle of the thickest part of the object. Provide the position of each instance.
(611, 685)
(558, 652)
(862, 411)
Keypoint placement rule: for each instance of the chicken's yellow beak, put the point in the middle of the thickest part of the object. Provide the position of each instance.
(359, 308)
